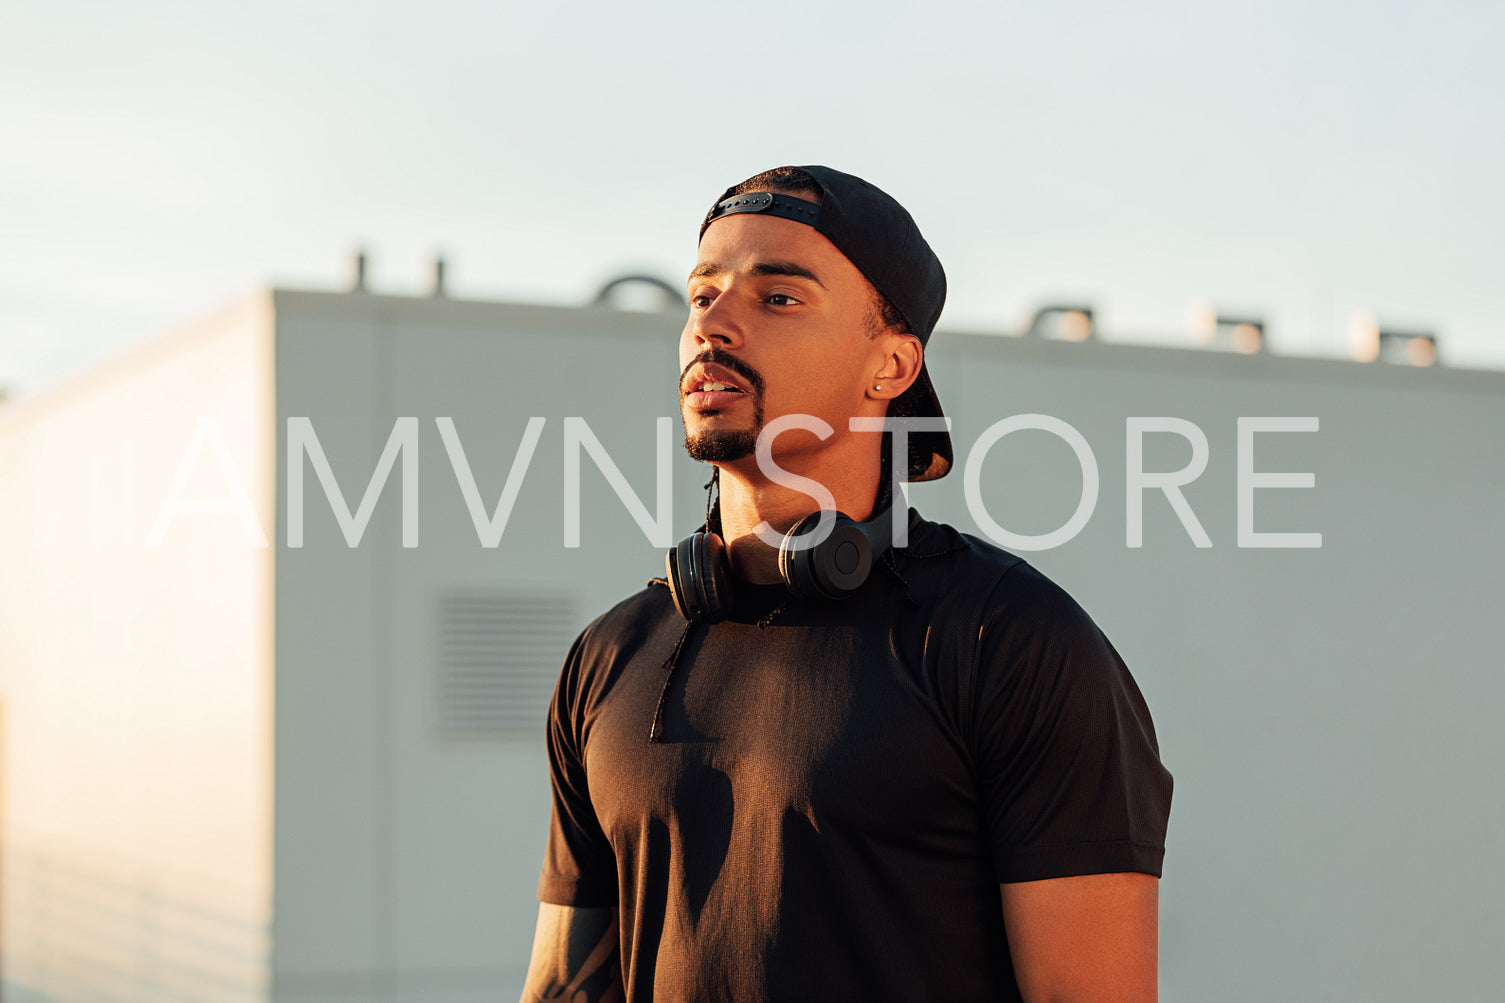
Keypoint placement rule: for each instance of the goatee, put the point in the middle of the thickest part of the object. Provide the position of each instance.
(729, 445)
(717, 447)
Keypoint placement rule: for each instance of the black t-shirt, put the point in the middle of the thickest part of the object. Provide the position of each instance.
(839, 788)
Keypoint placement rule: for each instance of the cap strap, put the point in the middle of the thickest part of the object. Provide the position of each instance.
(768, 203)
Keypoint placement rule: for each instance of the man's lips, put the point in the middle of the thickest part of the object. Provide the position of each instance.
(712, 387)
(713, 400)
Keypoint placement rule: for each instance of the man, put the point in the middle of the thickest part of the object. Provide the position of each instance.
(943, 786)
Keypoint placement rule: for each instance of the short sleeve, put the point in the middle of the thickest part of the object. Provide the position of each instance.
(1066, 755)
(579, 866)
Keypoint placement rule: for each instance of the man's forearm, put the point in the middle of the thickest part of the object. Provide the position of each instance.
(576, 957)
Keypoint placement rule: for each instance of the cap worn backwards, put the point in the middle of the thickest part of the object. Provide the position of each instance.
(879, 237)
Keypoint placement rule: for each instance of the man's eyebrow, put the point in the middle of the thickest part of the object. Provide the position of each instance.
(711, 268)
(785, 268)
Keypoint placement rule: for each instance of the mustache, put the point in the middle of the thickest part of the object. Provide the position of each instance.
(727, 361)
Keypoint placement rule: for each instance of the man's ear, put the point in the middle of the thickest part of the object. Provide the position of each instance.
(901, 366)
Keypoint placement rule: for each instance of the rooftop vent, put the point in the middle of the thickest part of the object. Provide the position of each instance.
(1245, 335)
(1371, 343)
(500, 650)
(1061, 322)
(358, 269)
(664, 297)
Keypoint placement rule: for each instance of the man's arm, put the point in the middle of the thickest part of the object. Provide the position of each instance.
(1090, 938)
(576, 956)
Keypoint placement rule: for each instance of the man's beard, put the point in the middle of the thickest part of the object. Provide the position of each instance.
(725, 446)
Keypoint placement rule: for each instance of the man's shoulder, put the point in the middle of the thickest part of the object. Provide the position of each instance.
(628, 624)
(1017, 625)
(1004, 586)
(952, 559)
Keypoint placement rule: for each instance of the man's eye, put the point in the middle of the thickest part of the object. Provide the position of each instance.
(781, 299)
(700, 300)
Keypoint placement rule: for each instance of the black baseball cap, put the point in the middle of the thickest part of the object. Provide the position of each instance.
(877, 235)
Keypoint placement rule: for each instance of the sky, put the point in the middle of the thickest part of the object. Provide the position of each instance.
(1294, 161)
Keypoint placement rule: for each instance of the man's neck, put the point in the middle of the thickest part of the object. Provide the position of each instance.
(747, 499)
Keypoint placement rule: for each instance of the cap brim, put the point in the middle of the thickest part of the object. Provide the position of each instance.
(930, 453)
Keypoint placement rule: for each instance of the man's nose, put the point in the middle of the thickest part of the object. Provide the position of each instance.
(718, 326)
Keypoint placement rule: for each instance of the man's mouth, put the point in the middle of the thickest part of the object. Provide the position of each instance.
(710, 387)
(711, 395)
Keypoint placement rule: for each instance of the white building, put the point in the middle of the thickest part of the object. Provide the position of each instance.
(315, 773)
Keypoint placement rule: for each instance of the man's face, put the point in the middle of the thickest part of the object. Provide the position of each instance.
(781, 319)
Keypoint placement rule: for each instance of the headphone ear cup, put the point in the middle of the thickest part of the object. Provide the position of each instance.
(834, 568)
(843, 561)
(671, 575)
(699, 580)
(794, 566)
(715, 579)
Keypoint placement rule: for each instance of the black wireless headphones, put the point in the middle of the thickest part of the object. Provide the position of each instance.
(700, 576)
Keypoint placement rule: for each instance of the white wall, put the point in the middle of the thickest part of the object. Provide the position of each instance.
(1330, 714)
(408, 860)
(136, 680)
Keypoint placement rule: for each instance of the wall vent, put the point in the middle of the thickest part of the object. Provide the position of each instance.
(500, 650)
